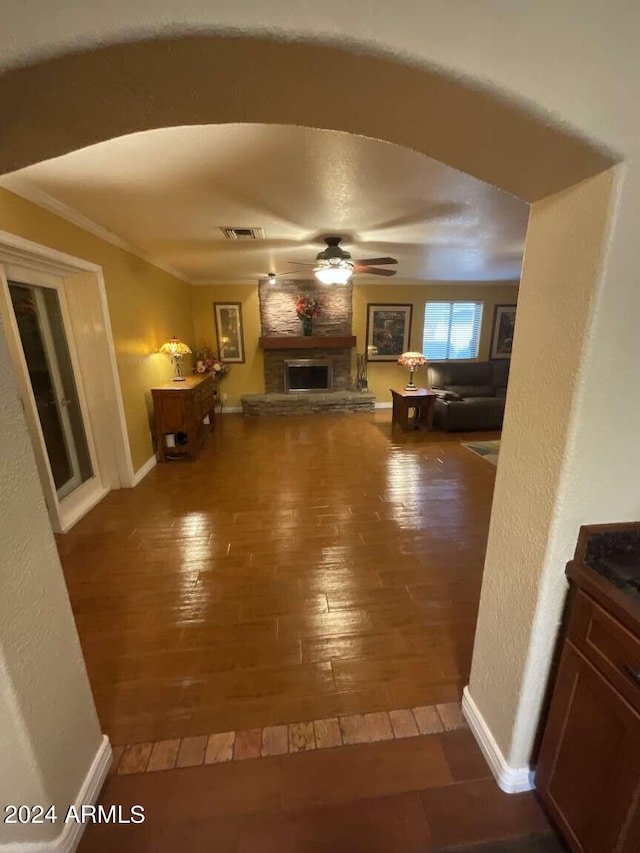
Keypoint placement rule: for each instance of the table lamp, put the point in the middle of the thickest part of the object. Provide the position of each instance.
(412, 360)
(176, 349)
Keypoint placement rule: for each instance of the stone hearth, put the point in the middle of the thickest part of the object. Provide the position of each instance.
(308, 403)
(331, 341)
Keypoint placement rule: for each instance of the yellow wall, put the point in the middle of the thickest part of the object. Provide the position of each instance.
(247, 378)
(382, 376)
(146, 305)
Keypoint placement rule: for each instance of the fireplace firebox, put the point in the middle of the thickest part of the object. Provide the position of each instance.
(308, 374)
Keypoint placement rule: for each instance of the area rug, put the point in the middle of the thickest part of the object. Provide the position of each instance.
(487, 449)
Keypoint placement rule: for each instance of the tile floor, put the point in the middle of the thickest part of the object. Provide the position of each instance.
(220, 747)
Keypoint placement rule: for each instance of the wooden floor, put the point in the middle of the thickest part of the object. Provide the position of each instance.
(419, 795)
(302, 568)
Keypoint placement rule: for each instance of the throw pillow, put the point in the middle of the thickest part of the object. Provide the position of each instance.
(473, 390)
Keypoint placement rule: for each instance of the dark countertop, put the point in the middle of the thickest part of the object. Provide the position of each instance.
(610, 555)
(615, 554)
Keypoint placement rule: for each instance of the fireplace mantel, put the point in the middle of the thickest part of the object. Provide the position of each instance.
(308, 342)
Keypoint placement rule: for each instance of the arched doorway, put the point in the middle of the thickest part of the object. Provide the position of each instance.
(151, 84)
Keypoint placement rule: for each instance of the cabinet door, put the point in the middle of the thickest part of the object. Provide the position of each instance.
(170, 412)
(588, 773)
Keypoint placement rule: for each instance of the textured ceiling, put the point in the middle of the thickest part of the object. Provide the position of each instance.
(168, 192)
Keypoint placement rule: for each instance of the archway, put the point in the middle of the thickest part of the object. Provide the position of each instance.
(68, 102)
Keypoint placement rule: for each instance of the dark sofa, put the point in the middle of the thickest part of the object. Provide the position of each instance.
(471, 395)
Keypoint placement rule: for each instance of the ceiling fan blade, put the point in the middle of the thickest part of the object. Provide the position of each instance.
(373, 271)
(302, 264)
(376, 261)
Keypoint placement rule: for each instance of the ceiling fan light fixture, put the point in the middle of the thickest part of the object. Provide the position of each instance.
(334, 273)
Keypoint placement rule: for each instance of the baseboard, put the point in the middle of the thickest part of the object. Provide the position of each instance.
(67, 841)
(512, 780)
(231, 410)
(82, 505)
(141, 473)
(383, 405)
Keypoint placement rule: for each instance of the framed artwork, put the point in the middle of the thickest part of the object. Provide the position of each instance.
(388, 331)
(229, 331)
(504, 320)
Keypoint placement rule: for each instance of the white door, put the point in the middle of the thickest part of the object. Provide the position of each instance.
(42, 348)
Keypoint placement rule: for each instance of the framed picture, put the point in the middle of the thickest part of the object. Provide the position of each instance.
(504, 320)
(229, 331)
(388, 331)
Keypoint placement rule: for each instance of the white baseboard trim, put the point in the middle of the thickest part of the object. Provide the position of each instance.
(231, 410)
(80, 505)
(512, 780)
(67, 841)
(142, 472)
(383, 405)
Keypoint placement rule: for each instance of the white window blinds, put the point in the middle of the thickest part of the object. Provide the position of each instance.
(451, 330)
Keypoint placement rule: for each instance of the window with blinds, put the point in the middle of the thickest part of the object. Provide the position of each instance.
(451, 330)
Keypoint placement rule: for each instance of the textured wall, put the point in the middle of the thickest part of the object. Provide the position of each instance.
(534, 527)
(49, 731)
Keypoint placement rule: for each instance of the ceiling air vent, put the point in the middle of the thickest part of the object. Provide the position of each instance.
(243, 233)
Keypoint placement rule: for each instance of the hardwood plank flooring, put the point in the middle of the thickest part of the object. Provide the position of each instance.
(303, 568)
(421, 794)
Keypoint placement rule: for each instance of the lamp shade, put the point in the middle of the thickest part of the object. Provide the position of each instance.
(174, 346)
(334, 273)
(412, 360)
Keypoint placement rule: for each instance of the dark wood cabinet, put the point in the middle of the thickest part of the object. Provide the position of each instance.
(588, 773)
(183, 415)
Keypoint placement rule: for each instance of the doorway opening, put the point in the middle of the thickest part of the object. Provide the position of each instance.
(60, 340)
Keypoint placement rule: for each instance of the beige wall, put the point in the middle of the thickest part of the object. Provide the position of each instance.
(383, 376)
(248, 378)
(538, 504)
(49, 730)
(146, 305)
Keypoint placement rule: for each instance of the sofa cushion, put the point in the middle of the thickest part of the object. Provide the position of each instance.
(448, 395)
(471, 414)
(451, 373)
(466, 391)
(500, 371)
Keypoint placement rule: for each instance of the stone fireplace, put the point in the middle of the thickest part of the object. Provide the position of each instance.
(278, 321)
(306, 373)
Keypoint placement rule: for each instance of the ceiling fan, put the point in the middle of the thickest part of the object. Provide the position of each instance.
(333, 265)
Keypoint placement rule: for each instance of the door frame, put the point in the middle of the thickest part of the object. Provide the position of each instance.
(86, 316)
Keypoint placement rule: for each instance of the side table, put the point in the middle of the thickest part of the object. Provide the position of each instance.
(422, 400)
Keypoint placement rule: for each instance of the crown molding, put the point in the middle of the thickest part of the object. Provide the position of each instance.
(204, 282)
(21, 187)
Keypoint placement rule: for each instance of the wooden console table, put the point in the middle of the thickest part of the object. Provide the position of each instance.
(422, 400)
(184, 414)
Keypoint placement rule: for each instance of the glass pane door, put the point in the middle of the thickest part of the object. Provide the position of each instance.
(44, 342)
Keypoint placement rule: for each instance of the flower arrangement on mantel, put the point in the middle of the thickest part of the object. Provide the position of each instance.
(205, 360)
(308, 309)
(308, 306)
